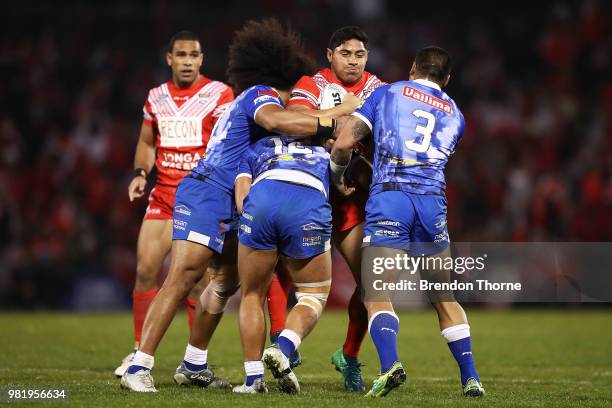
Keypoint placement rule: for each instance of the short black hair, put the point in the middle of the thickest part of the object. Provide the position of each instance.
(347, 33)
(433, 63)
(263, 52)
(183, 36)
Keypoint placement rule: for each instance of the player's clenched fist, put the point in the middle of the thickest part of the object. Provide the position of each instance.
(136, 188)
(351, 101)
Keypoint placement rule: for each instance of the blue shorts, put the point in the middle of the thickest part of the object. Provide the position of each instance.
(295, 220)
(203, 213)
(401, 220)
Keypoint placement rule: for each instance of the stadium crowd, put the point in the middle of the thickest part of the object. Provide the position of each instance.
(535, 86)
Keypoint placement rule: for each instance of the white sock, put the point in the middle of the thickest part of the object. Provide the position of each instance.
(292, 337)
(254, 367)
(454, 333)
(196, 356)
(143, 360)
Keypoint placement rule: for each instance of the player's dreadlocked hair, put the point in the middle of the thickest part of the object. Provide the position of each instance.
(263, 52)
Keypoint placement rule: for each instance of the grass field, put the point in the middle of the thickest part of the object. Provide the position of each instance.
(525, 358)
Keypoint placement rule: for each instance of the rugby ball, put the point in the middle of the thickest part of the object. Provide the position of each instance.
(332, 95)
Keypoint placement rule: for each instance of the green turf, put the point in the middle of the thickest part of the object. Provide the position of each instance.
(526, 358)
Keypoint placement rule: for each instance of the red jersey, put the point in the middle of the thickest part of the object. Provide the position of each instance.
(307, 90)
(347, 212)
(182, 120)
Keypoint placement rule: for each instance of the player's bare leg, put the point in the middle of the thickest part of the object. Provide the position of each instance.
(312, 281)
(222, 283)
(255, 269)
(188, 262)
(154, 242)
(193, 298)
(345, 359)
(454, 328)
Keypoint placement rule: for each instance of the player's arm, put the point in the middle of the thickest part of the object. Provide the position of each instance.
(349, 132)
(144, 159)
(244, 179)
(242, 187)
(275, 119)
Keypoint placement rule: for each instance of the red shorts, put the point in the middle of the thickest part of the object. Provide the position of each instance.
(161, 203)
(347, 211)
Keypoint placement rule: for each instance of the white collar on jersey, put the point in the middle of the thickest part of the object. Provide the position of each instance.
(428, 83)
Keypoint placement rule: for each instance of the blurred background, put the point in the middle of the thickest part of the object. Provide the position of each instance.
(534, 80)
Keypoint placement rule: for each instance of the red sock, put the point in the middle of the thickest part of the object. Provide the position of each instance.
(190, 305)
(141, 300)
(357, 327)
(277, 303)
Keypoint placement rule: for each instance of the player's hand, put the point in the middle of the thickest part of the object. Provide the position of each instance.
(136, 188)
(350, 102)
(345, 190)
(328, 144)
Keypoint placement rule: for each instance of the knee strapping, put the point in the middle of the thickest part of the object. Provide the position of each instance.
(313, 295)
(216, 294)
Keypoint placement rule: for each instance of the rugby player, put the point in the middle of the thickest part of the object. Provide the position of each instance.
(347, 54)
(178, 118)
(265, 61)
(415, 128)
(282, 172)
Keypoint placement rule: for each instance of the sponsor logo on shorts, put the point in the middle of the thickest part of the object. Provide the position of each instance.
(311, 227)
(219, 241)
(441, 223)
(311, 240)
(389, 223)
(181, 209)
(245, 228)
(247, 216)
(386, 233)
(180, 225)
(153, 211)
(441, 237)
(367, 239)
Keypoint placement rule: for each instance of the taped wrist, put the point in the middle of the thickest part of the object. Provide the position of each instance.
(325, 130)
(337, 172)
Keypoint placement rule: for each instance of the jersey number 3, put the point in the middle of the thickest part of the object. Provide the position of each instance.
(424, 131)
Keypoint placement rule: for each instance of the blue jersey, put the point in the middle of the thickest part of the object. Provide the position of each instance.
(283, 158)
(415, 126)
(232, 135)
